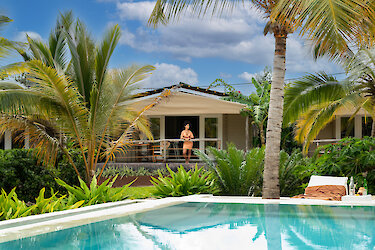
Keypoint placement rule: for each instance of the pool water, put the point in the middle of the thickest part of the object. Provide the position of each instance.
(220, 226)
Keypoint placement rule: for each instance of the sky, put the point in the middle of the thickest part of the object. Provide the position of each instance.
(194, 51)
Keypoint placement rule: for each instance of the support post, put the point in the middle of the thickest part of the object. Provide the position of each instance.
(247, 133)
(27, 139)
(8, 139)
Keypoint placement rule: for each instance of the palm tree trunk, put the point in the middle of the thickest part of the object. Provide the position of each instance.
(271, 187)
(261, 135)
(373, 127)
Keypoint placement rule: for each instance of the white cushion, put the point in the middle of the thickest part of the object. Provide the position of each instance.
(316, 180)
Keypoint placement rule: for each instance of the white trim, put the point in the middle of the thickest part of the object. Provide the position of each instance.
(338, 127)
(8, 139)
(358, 126)
(201, 132)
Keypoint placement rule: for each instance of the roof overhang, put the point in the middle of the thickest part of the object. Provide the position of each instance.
(183, 103)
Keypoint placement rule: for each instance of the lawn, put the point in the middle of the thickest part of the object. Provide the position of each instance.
(141, 192)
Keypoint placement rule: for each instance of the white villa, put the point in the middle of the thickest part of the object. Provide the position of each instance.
(215, 122)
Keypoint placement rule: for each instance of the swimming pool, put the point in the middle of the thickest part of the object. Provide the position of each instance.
(201, 225)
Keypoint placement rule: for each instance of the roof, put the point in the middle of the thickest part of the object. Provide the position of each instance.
(186, 100)
(181, 85)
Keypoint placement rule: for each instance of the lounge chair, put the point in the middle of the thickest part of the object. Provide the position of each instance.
(325, 188)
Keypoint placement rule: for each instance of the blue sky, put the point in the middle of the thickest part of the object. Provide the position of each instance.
(195, 51)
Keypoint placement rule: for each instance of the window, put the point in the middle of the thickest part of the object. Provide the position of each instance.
(366, 126)
(347, 127)
(155, 127)
(211, 131)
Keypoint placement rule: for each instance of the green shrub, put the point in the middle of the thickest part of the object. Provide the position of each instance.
(125, 171)
(240, 173)
(11, 207)
(54, 203)
(19, 168)
(95, 194)
(181, 183)
(348, 157)
(237, 173)
(295, 173)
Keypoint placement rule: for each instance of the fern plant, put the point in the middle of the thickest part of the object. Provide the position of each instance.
(237, 173)
(182, 182)
(96, 194)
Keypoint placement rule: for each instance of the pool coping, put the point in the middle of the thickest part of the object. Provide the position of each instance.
(45, 223)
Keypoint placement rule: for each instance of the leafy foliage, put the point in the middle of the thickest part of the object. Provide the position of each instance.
(295, 172)
(240, 173)
(11, 207)
(19, 168)
(54, 203)
(125, 171)
(183, 183)
(95, 194)
(236, 172)
(348, 157)
(75, 95)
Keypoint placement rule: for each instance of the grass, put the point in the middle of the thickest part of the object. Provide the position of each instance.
(140, 192)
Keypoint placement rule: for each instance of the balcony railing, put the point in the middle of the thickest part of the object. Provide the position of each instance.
(163, 150)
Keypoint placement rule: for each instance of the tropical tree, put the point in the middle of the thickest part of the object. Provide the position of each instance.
(329, 26)
(85, 103)
(257, 102)
(313, 101)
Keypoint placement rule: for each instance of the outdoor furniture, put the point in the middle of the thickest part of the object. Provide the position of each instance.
(325, 188)
(159, 152)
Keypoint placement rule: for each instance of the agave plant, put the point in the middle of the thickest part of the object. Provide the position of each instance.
(81, 100)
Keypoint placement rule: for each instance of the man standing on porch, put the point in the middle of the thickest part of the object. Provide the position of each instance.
(187, 135)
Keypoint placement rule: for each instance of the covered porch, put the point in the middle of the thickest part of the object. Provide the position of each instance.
(214, 122)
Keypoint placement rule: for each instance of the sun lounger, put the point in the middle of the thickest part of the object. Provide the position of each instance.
(325, 188)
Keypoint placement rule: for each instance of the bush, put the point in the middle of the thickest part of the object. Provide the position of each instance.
(295, 173)
(181, 183)
(12, 207)
(240, 173)
(237, 173)
(349, 157)
(19, 168)
(124, 171)
(95, 194)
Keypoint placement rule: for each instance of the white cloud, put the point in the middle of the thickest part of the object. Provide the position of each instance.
(246, 76)
(170, 74)
(21, 36)
(237, 37)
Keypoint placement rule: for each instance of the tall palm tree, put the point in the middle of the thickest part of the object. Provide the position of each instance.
(5, 44)
(82, 99)
(313, 101)
(331, 26)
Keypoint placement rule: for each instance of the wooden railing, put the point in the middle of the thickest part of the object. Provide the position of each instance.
(162, 150)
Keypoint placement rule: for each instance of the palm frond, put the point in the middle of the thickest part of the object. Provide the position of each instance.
(311, 90)
(330, 26)
(171, 10)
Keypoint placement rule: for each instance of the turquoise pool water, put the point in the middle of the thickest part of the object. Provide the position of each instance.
(220, 226)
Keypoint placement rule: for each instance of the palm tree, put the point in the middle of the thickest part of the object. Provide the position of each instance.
(313, 101)
(330, 26)
(81, 99)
